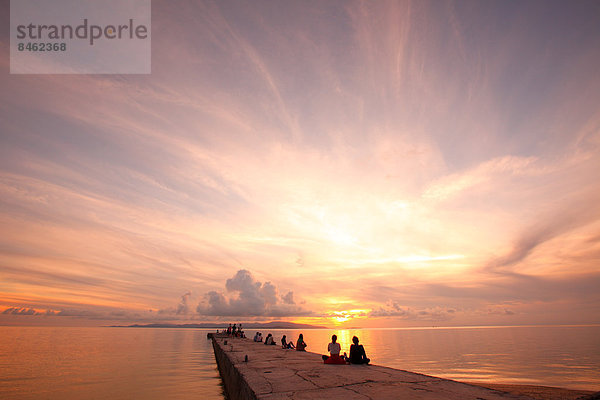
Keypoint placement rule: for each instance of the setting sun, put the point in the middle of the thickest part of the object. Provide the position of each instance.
(338, 317)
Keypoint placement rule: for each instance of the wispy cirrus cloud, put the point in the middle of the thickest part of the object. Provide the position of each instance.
(436, 159)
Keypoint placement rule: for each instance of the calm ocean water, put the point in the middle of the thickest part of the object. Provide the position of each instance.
(150, 363)
(107, 363)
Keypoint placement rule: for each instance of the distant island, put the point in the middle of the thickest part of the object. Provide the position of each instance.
(245, 326)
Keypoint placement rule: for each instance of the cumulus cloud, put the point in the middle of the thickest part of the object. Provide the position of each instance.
(248, 297)
(288, 298)
(183, 306)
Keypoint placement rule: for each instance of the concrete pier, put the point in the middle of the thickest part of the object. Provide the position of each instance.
(274, 373)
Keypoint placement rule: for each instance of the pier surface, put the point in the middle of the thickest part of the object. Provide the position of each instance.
(274, 373)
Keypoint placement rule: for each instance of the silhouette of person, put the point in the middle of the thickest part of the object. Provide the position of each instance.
(300, 344)
(285, 344)
(357, 353)
(334, 349)
(269, 339)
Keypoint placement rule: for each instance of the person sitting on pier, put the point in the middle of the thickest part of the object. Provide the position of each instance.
(300, 344)
(334, 349)
(269, 339)
(285, 344)
(357, 353)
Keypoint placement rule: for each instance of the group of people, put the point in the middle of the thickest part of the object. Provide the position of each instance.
(270, 340)
(299, 346)
(258, 337)
(357, 351)
(235, 330)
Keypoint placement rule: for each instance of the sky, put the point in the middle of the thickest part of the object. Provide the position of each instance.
(339, 163)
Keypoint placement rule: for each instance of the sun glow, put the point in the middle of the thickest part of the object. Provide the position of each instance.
(339, 317)
(339, 235)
